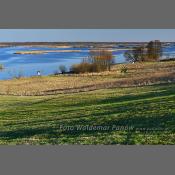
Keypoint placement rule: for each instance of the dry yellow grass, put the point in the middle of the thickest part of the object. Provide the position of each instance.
(44, 51)
(138, 74)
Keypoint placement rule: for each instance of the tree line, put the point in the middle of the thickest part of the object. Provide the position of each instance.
(101, 59)
(151, 52)
(97, 61)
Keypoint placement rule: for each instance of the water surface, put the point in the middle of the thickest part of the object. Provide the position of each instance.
(27, 65)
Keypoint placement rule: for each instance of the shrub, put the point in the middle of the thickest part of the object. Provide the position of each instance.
(75, 68)
(83, 68)
(137, 54)
(62, 69)
(124, 69)
(98, 60)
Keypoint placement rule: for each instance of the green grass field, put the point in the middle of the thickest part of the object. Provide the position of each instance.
(137, 115)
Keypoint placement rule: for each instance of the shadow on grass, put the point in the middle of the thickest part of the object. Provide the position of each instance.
(135, 123)
(150, 119)
(127, 98)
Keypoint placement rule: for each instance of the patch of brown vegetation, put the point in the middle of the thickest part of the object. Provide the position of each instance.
(44, 51)
(138, 74)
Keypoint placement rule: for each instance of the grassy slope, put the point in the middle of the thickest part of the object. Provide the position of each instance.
(37, 120)
(138, 74)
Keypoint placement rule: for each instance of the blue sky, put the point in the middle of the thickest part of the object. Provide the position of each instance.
(16, 35)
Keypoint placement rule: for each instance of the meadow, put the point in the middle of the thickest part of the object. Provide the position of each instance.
(137, 74)
(136, 107)
(137, 115)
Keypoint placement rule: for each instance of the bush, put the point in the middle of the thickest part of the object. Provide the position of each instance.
(83, 68)
(62, 69)
(98, 60)
(87, 67)
(124, 69)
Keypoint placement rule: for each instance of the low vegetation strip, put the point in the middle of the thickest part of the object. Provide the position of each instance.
(127, 82)
(138, 74)
(44, 51)
(137, 115)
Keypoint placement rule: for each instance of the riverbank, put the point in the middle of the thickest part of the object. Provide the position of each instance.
(91, 108)
(138, 74)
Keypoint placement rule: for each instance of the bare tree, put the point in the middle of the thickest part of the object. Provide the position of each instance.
(102, 58)
(137, 54)
(154, 51)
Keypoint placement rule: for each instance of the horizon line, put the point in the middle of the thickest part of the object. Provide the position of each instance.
(80, 41)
